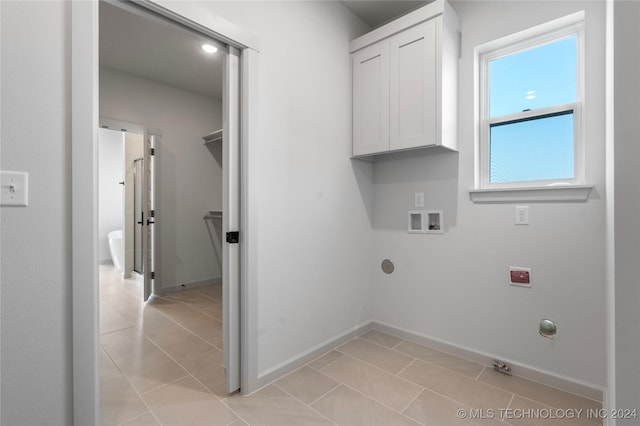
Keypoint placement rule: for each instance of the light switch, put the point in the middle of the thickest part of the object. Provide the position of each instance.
(15, 189)
(419, 199)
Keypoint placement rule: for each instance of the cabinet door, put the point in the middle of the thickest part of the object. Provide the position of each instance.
(413, 84)
(371, 99)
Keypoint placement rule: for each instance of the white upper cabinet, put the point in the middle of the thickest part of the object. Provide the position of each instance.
(405, 83)
(371, 99)
(413, 87)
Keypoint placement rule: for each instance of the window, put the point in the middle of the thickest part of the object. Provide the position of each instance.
(530, 92)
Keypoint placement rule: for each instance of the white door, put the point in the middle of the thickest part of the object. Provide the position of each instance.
(148, 212)
(231, 219)
(413, 87)
(370, 68)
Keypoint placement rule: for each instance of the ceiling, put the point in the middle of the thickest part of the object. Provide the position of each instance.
(160, 51)
(378, 12)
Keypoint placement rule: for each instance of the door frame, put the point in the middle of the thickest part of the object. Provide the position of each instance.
(84, 190)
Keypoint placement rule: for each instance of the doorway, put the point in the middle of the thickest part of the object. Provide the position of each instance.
(185, 184)
(121, 198)
(84, 113)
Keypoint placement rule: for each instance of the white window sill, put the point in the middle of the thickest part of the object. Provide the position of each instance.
(568, 193)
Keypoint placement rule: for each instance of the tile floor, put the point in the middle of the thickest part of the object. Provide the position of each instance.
(161, 364)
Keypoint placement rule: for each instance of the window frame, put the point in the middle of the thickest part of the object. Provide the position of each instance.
(550, 32)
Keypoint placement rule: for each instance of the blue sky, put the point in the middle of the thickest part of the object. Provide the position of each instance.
(536, 78)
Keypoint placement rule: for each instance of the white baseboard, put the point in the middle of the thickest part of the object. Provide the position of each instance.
(571, 385)
(305, 357)
(567, 384)
(184, 286)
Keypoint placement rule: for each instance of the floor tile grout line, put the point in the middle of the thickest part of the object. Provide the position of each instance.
(542, 384)
(167, 297)
(477, 379)
(181, 363)
(367, 362)
(201, 383)
(304, 403)
(413, 359)
(374, 343)
(511, 400)
(451, 357)
(292, 372)
(379, 402)
(191, 304)
(150, 338)
(545, 405)
(181, 326)
(140, 415)
(169, 356)
(398, 344)
(115, 331)
(451, 354)
(506, 390)
(133, 388)
(326, 393)
(435, 365)
(193, 332)
(374, 366)
(413, 400)
(537, 383)
(140, 394)
(226, 404)
(331, 363)
(196, 289)
(206, 295)
(174, 359)
(165, 384)
(362, 336)
(420, 390)
(114, 313)
(199, 311)
(446, 396)
(458, 374)
(320, 369)
(405, 367)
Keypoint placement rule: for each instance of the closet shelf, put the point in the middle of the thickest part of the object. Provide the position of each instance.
(213, 137)
(213, 214)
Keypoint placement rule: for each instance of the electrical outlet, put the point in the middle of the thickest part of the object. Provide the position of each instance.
(522, 215)
(419, 199)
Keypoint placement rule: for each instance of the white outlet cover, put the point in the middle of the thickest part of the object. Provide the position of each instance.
(522, 215)
(14, 189)
(419, 199)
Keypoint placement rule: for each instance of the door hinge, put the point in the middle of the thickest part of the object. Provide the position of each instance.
(153, 275)
(152, 213)
(233, 237)
(153, 151)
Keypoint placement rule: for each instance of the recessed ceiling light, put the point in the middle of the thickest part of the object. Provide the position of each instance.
(209, 48)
